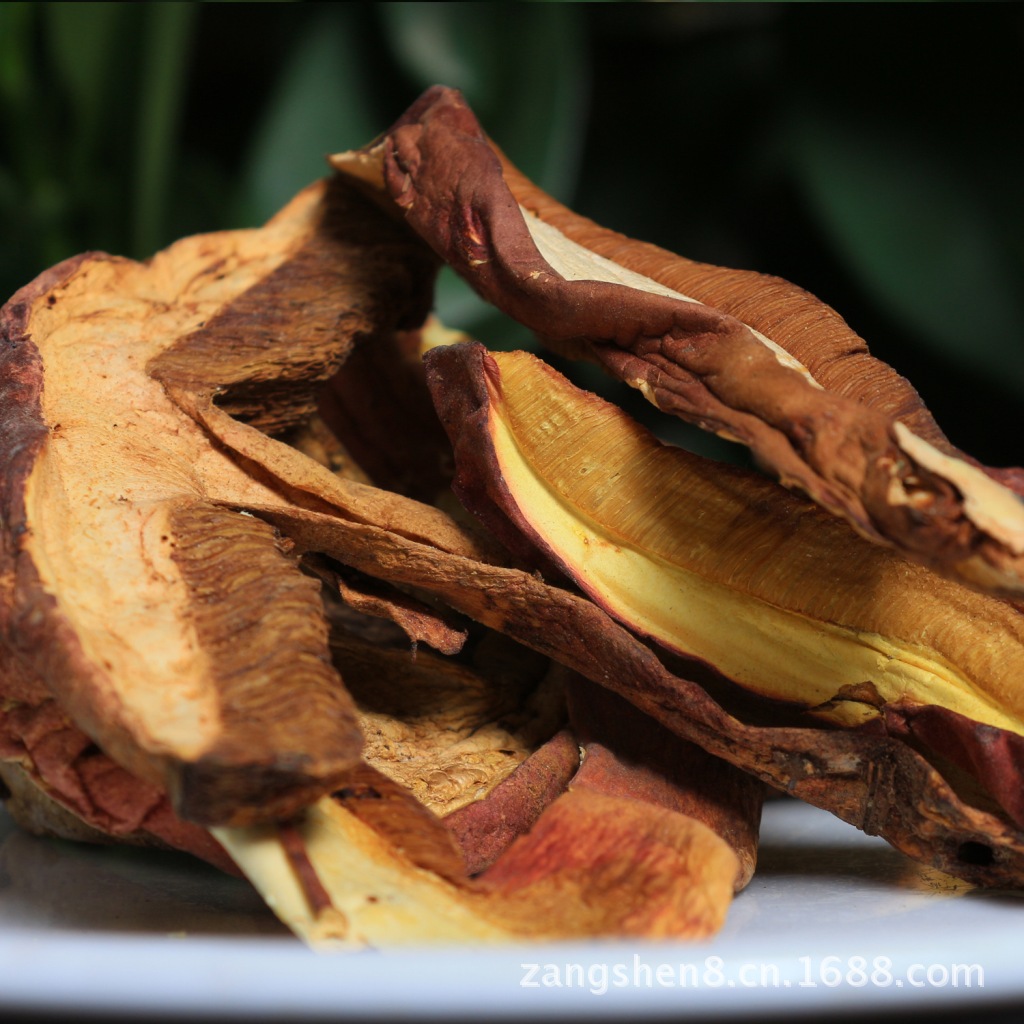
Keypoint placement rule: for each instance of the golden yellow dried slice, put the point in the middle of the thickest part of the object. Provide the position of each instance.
(721, 565)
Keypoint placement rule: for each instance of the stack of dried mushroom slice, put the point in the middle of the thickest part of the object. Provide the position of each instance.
(239, 618)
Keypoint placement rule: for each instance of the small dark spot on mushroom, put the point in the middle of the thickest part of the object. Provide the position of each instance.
(357, 793)
(971, 852)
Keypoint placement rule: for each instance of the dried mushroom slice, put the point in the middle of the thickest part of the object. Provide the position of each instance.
(168, 618)
(874, 781)
(373, 865)
(603, 864)
(719, 564)
(60, 783)
(336, 881)
(389, 808)
(177, 632)
(595, 863)
(378, 404)
(626, 753)
(486, 827)
(750, 358)
(93, 800)
(884, 785)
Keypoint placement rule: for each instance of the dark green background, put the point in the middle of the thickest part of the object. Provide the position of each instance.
(871, 153)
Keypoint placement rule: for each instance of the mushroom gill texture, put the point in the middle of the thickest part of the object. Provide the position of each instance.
(750, 357)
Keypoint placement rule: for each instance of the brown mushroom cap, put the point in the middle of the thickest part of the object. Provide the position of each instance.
(751, 358)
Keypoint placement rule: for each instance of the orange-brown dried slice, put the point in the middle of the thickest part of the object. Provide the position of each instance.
(179, 634)
(778, 371)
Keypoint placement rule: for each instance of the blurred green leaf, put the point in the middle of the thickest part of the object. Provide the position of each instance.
(322, 103)
(83, 43)
(444, 44)
(524, 72)
(912, 225)
(165, 63)
(15, 26)
(124, 125)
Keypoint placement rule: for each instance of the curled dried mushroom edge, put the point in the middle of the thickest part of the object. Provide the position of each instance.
(241, 615)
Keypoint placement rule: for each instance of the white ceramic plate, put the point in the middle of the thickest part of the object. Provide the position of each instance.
(833, 919)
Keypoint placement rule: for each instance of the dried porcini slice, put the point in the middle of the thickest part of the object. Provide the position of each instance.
(173, 622)
(626, 754)
(721, 565)
(749, 357)
(378, 405)
(871, 780)
(374, 865)
(180, 633)
(660, 833)
(449, 731)
(486, 827)
(61, 784)
(602, 864)
(362, 597)
(411, 827)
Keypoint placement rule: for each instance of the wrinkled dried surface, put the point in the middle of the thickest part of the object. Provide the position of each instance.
(392, 810)
(596, 864)
(418, 622)
(62, 784)
(789, 379)
(593, 864)
(192, 563)
(372, 865)
(486, 827)
(233, 707)
(448, 732)
(379, 406)
(167, 626)
(719, 564)
(871, 780)
(625, 754)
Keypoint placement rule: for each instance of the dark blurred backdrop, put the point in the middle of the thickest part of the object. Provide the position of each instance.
(869, 152)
